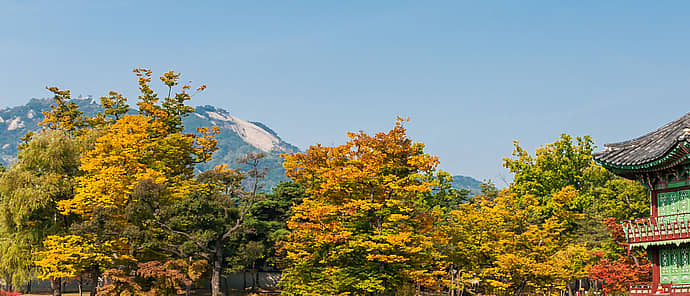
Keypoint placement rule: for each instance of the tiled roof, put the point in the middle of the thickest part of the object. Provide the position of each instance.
(648, 148)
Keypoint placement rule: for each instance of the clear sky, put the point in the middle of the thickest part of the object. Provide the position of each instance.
(473, 76)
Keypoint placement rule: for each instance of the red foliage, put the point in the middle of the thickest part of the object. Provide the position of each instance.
(5, 293)
(616, 232)
(618, 274)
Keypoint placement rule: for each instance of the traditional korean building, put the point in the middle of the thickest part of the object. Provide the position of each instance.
(659, 160)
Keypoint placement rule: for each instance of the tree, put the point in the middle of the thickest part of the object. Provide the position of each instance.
(69, 256)
(568, 162)
(270, 216)
(598, 195)
(364, 227)
(171, 277)
(29, 193)
(615, 268)
(84, 194)
(202, 223)
(119, 283)
(265, 227)
(131, 149)
(120, 153)
(502, 243)
(65, 114)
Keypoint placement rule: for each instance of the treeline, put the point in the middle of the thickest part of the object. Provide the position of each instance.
(116, 197)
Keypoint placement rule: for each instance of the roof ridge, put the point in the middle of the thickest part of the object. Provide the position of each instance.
(647, 148)
(680, 119)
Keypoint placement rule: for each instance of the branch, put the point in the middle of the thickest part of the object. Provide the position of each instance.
(187, 235)
(238, 222)
(205, 255)
(250, 201)
(177, 253)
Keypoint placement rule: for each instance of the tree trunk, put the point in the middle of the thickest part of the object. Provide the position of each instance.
(227, 286)
(95, 276)
(255, 278)
(452, 281)
(217, 269)
(79, 285)
(94, 287)
(7, 286)
(55, 286)
(518, 291)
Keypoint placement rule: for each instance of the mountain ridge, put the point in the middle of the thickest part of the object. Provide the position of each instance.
(466, 182)
(237, 137)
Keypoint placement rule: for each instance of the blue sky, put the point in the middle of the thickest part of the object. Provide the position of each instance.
(473, 76)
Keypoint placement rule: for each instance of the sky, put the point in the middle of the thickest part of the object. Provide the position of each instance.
(472, 76)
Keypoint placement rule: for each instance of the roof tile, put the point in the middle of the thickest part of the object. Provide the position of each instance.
(647, 148)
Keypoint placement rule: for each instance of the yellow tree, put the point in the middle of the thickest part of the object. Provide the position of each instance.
(65, 114)
(68, 256)
(364, 227)
(147, 146)
(504, 245)
(130, 153)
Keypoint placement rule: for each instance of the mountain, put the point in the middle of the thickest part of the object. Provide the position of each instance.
(236, 138)
(465, 182)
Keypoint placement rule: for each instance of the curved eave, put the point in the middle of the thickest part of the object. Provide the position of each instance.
(672, 157)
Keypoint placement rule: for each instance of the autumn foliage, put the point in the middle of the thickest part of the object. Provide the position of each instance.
(619, 270)
(117, 196)
(88, 177)
(171, 277)
(364, 227)
(6, 293)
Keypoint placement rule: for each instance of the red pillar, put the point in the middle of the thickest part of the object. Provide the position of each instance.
(655, 204)
(656, 273)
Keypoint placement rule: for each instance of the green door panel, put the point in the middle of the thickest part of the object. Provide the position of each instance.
(674, 264)
(671, 203)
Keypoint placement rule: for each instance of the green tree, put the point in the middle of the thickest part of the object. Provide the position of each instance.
(29, 193)
(203, 223)
(265, 228)
(568, 162)
(268, 219)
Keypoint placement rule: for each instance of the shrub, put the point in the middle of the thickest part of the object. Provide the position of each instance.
(5, 293)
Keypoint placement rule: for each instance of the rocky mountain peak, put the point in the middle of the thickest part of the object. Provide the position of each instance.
(236, 138)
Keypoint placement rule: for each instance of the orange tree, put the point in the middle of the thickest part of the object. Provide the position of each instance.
(364, 227)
